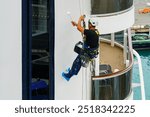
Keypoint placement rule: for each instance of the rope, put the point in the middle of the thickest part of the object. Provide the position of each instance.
(82, 69)
(80, 7)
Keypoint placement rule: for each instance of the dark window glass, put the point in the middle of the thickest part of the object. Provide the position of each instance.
(40, 49)
(109, 6)
(39, 16)
(115, 88)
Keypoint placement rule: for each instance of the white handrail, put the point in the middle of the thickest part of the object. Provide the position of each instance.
(141, 74)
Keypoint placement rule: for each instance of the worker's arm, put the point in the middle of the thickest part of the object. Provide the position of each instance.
(78, 25)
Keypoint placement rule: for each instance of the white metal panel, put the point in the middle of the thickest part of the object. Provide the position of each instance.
(66, 36)
(10, 50)
(115, 23)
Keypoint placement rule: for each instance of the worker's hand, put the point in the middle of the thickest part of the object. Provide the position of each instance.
(82, 17)
(74, 23)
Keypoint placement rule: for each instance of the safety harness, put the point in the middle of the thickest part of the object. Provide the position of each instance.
(86, 53)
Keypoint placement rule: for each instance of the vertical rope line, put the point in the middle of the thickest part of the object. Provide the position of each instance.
(80, 7)
(86, 82)
(82, 68)
(82, 82)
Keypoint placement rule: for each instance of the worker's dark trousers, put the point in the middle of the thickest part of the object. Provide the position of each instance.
(75, 67)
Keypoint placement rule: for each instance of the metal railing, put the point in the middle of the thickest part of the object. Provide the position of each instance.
(140, 74)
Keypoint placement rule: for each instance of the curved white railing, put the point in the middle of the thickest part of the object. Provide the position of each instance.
(141, 74)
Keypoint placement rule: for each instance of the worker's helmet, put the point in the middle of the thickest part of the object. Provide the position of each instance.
(93, 22)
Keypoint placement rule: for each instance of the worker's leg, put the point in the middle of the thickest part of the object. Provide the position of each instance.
(74, 69)
(76, 66)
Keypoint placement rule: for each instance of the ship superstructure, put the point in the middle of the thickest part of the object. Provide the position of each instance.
(41, 44)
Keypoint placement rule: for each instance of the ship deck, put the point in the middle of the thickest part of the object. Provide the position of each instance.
(112, 56)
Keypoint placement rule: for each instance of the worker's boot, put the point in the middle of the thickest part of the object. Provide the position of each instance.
(67, 76)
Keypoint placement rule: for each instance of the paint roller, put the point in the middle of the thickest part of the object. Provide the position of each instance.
(69, 14)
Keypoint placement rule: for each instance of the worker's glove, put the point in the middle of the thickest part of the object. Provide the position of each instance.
(74, 23)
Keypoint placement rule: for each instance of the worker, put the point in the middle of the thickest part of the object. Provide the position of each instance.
(91, 45)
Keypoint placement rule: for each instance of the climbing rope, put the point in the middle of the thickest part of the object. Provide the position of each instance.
(83, 80)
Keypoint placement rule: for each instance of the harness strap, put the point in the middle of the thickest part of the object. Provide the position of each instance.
(97, 32)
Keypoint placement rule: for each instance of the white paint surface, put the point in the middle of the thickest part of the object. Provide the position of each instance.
(10, 50)
(66, 36)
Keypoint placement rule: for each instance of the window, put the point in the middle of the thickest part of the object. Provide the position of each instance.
(109, 6)
(38, 49)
